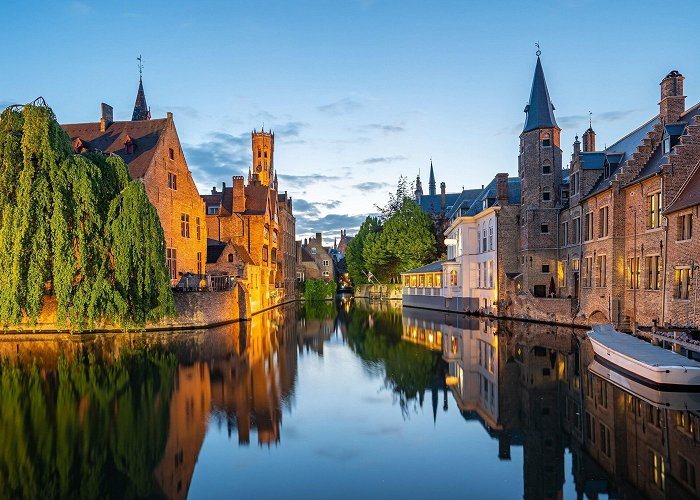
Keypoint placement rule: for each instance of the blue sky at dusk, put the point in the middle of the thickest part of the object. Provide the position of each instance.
(357, 92)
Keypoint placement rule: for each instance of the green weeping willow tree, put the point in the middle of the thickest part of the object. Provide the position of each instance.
(76, 226)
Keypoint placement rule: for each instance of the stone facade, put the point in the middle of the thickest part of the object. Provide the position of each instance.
(287, 247)
(316, 260)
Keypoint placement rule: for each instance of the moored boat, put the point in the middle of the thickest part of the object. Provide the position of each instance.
(646, 362)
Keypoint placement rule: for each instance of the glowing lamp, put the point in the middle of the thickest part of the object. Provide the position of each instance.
(451, 380)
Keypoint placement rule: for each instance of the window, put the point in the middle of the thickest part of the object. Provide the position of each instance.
(657, 472)
(574, 183)
(414, 280)
(490, 274)
(199, 262)
(273, 256)
(633, 272)
(478, 275)
(326, 263)
(653, 263)
(546, 143)
(654, 211)
(265, 154)
(230, 257)
(544, 228)
(185, 225)
(603, 223)
(274, 235)
(588, 271)
(684, 276)
(575, 265)
(606, 169)
(545, 268)
(438, 280)
(171, 262)
(421, 280)
(453, 278)
(590, 427)
(326, 273)
(483, 240)
(602, 270)
(687, 471)
(129, 145)
(199, 229)
(546, 195)
(429, 280)
(259, 151)
(685, 227)
(172, 181)
(546, 169)
(266, 232)
(490, 237)
(577, 230)
(264, 253)
(605, 440)
(588, 227)
(171, 153)
(565, 233)
(313, 250)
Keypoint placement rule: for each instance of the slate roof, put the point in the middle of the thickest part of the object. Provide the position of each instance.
(540, 111)
(214, 250)
(255, 199)
(144, 135)
(306, 255)
(489, 191)
(433, 267)
(622, 150)
(465, 200)
(689, 195)
(432, 203)
(141, 111)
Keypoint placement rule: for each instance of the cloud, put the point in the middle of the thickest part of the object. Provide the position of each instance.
(289, 129)
(219, 157)
(312, 209)
(341, 107)
(580, 121)
(331, 223)
(387, 129)
(301, 181)
(371, 186)
(382, 159)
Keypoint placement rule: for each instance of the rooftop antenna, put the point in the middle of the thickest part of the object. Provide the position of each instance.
(140, 60)
(539, 52)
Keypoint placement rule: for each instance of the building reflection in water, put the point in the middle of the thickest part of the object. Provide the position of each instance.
(540, 388)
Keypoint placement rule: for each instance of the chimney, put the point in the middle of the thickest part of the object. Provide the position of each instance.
(213, 190)
(319, 240)
(672, 102)
(107, 117)
(443, 198)
(238, 194)
(502, 189)
(589, 140)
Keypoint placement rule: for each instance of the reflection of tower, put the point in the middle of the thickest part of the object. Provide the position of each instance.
(263, 144)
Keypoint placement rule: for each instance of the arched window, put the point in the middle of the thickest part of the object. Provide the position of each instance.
(546, 169)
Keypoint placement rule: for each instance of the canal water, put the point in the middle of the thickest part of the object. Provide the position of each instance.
(354, 400)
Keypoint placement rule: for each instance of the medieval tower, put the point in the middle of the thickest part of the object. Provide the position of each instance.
(263, 150)
(540, 171)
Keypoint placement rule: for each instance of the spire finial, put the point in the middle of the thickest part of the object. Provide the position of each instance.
(590, 120)
(539, 52)
(140, 60)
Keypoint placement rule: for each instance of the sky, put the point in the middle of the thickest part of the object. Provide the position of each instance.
(358, 92)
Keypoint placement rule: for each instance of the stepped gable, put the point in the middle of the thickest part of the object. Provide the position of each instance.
(144, 136)
(683, 162)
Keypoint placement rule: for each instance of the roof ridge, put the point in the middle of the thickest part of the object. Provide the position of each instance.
(609, 149)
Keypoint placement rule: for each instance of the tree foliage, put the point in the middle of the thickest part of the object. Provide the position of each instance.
(77, 226)
(400, 240)
(316, 290)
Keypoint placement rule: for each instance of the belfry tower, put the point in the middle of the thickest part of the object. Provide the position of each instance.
(263, 151)
(540, 171)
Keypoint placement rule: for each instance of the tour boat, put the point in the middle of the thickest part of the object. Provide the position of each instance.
(639, 359)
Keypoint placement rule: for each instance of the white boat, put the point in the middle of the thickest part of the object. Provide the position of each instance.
(640, 359)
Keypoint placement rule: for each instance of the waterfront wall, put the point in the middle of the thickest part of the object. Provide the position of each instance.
(392, 292)
(525, 306)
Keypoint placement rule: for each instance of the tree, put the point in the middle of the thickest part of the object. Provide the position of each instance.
(408, 236)
(74, 225)
(354, 252)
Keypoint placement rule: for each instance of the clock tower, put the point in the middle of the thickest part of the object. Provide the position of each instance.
(263, 144)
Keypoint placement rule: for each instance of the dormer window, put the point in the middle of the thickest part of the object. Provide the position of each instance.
(606, 169)
(129, 145)
(666, 144)
(79, 146)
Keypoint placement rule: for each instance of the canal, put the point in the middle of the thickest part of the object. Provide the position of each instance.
(346, 401)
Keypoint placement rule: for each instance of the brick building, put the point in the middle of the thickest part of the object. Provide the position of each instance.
(314, 261)
(151, 149)
(611, 233)
(255, 217)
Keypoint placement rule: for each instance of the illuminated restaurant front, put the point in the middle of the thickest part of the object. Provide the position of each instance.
(426, 280)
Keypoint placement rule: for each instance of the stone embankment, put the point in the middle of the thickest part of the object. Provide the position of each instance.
(391, 292)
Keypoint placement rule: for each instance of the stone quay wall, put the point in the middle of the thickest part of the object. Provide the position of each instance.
(391, 292)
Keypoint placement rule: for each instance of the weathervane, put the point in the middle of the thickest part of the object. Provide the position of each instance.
(140, 60)
(539, 52)
(590, 120)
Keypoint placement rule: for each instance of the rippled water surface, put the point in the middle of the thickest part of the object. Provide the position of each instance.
(351, 401)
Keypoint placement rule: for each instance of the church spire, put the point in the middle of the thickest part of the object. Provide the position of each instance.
(540, 111)
(141, 110)
(431, 181)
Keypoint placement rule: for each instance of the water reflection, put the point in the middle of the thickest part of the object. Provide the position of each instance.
(147, 415)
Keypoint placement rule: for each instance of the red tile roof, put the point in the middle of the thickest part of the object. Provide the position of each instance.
(144, 135)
